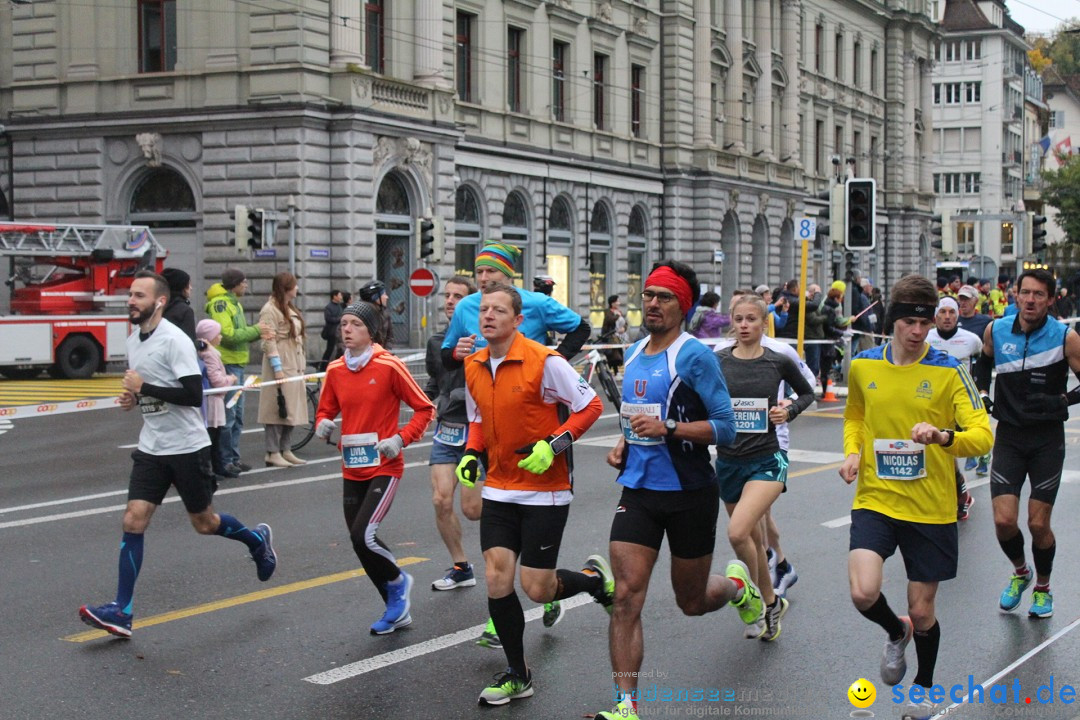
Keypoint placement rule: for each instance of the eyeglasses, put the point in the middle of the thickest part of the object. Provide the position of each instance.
(663, 297)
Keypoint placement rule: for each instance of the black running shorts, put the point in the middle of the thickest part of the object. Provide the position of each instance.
(1037, 453)
(930, 551)
(688, 517)
(191, 473)
(534, 532)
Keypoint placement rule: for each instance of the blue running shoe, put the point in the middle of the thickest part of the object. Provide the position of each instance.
(983, 468)
(1042, 604)
(398, 596)
(1010, 597)
(969, 464)
(265, 558)
(784, 580)
(109, 618)
(388, 624)
(456, 577)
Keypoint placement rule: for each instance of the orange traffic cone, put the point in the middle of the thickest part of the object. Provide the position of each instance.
(828, 395)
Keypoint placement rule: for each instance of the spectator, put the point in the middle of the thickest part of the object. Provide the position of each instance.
(790, 329)
(1063, 305)
(283, 406)
(375, 293)
(223, 305)
(612, 331)
(707, 321)
(208, 337)
(860, 301)
(179, 311)
(832, 327)
(331, 327)
(778, 311)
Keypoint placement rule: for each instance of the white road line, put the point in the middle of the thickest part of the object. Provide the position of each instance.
(846, 519)
(1016, 663)
(815, 456)
(378, 662)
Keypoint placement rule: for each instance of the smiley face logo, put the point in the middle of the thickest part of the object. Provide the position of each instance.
(862, 693)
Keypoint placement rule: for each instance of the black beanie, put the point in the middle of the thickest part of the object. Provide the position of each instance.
(368, 314)
(177, 279)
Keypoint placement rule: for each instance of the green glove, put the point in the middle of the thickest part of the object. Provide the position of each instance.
(540, 457)
(468, 469)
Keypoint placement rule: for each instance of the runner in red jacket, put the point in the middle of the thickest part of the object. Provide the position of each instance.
(367, 386)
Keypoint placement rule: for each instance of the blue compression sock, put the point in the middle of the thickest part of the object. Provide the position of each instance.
(233, 529)
(131, 553)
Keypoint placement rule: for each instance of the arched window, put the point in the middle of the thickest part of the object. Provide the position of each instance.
(637, 232)
(599, 261)
(515, 220)
(161, 199)
(561, 222)
(600, 226)
(560, 238)
(393, 198)
(467, 230)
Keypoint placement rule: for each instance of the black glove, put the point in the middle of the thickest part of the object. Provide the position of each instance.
(282, 410)
(988, 403)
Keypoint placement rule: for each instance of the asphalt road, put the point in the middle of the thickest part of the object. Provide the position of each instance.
(216, 643)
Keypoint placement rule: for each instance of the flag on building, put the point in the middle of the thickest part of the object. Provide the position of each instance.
(1063, 150)
(1044, 144)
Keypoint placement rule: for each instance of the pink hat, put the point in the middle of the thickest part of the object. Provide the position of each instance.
(207, 329)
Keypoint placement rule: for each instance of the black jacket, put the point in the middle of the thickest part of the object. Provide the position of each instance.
(331, 320)
(180, 314)
(445, 387)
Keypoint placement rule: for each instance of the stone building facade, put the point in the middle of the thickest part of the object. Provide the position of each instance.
(600, 135)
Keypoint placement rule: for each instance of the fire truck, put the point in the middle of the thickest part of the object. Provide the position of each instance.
(68, 287)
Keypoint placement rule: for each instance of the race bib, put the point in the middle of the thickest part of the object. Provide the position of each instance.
(450, 434)
(152, 406)
(358, 451)
(751, 414)
(900, 459)
(628, 410)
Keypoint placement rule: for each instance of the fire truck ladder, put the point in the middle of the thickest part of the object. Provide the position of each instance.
(105, 241)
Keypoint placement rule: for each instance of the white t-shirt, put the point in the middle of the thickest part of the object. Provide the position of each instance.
(561, 384)
(162, 359)
(964, 345)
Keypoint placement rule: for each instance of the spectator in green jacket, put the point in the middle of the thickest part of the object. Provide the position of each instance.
(223, 305)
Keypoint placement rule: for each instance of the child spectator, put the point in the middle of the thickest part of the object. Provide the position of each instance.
(208, 334)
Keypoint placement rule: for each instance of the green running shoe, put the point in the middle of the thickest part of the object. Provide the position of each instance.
(553, 613)
(623, 711)
(750, 606)
(1042, 604)
(1010, 597)
(507, 686)
(595, 564)
(489, 638)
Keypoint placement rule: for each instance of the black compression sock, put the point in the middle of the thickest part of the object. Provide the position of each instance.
(571, 582)
(1014, 547)
(882, 614)
(509, 621)
(1044, 559)
(926, 650)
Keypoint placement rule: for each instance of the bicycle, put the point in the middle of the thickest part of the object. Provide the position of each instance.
(302, 434)
(598, 367)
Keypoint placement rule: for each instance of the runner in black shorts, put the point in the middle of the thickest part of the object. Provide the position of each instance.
(1032, 353)
(675, 405)
(165, 383)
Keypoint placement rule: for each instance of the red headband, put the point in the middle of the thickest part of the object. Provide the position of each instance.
(665, 277)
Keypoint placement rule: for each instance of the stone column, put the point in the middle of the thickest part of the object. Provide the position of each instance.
(703, 109)
(733, 109)
(790, 132)
(763, 98)
(82, 61)
(909, 92)
(429, 44)
(346, 37)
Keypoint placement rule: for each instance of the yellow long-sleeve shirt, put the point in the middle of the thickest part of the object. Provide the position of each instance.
(884, 402)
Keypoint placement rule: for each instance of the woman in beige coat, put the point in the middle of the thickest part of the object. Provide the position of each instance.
(283, 357)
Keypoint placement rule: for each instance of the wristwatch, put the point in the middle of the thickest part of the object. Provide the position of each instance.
(670, 424)
(952, 436)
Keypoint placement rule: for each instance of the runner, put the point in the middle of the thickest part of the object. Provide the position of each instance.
(513, 387)
(164, 381)
(1032, 353)
(367, 386)
(953, 340)
(675, 405)
(968, 299)
(446, 388)
(904, 398)
(753, 470)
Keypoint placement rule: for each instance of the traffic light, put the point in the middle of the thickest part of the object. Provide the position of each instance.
(941, 230)
(830, 219)
(1037, 232)
(859, 213)
(427, 238)
(849, 266)
(240, 226)
(255, 228)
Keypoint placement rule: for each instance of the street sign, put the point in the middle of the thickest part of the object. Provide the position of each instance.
(718, 256)
(320, 253)
(806, 228)
(423, 282)
(266, 253)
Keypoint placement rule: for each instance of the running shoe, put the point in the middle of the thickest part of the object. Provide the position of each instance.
(772, 619)
(755, 629)
(1042, 604)
(553, 613)
(264, 556)
(109, 617)
(770, 555)
(623, 711)
(398, 596)
(893, 662)
(983, 468)
(388, 623)
(784, 580)
(242, 466)
(1010, 597)
(595, 564)
(750, 606)
(919, 711)
(507, 686)
(456, 577)
(963, 508)
(489, 638)
(969, 464)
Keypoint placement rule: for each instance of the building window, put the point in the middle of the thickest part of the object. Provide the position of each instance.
(873, 71)
(856, 64)
(464, 66)
(163, 199)
(560, 54)
(937, 93)
(374, 33)
(599, 262)
(1057, 118)
(467, 230)
(1007, 238)
(637, 94)
(635, 263)
(952, 51)
(819, 147)
(599, 70)
(515, 44)
(157, 36)
(952, 93)
(819, 39)
(974, 49)
(973, 92)
(838, 60)
(838, 140)
(971, 182)
(515, 228)
(965, 238)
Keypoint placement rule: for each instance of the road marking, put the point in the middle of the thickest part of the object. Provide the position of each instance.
(811, 471)
(846, 519)
(427, 647)
(814, 456)
(237, 601)
(5, 425)
(1017, 663)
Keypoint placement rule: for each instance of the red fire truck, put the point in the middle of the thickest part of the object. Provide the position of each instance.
(68, 295)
